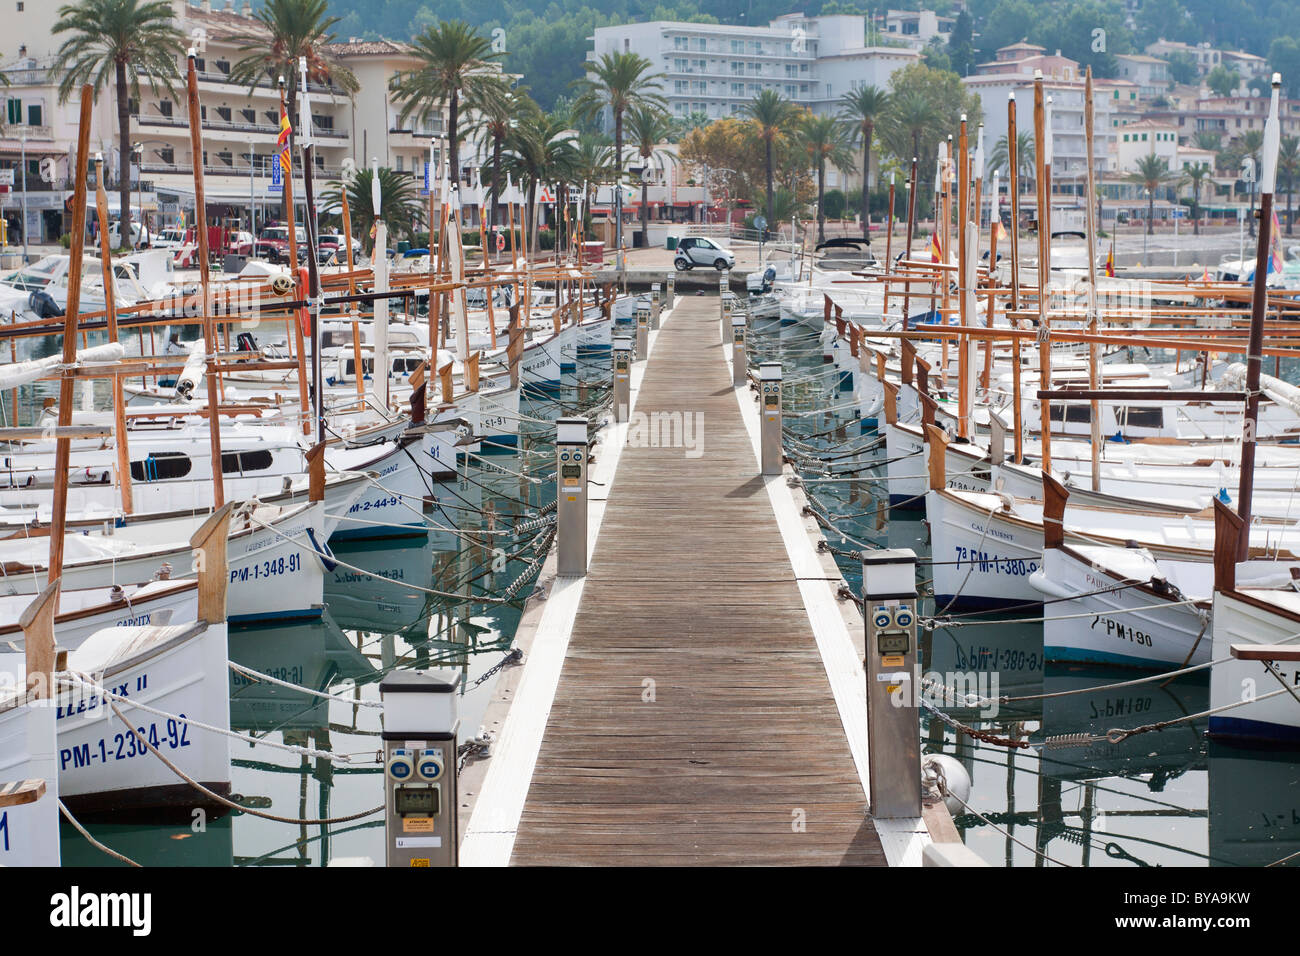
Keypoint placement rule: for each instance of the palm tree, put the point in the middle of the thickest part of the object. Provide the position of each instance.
(774, 117)
(825, 139)
(1024, 155)
(1208, 139)
(124, 39)
(453, 67)
(864, 108)
(539, 150)
(618, 82)
(1152, 172)
(1196, 174)
(1249, 144)
(647, 127)
(398, 205)
(497, 104)
(593, 163)
(289, 30)
(1288, 167)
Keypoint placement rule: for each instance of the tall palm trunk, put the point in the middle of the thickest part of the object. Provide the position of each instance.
(821, 200)
(645, 212)
(771, 204)
(496, 176)
(453, 141)
(867, 131)
(1151, 210)
(123, 163)
(618, 179)
(1289, 217)
(532, 215)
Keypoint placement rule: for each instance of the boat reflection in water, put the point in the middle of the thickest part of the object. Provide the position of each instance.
(1137, 802)
(201, 842)
(1254, 805)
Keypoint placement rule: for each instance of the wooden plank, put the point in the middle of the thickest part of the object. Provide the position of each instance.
(19, 792)
(693, 721)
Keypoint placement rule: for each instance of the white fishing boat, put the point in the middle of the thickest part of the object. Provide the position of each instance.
(178, 669)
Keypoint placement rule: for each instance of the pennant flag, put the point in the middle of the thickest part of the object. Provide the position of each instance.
(1110, 262)
(282, 143)
(936, 251)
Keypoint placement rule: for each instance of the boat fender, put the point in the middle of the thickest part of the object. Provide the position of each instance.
(945, 775)
(1007, 502)
(1132, 545)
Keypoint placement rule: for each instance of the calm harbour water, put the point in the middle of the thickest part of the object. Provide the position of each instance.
(1160, 799)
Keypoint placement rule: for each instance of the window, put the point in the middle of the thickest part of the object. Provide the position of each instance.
(250, 116)
(399, 163)
(698, 65)
(227, 157)
(1071, 413)
(223, 66)
(699, 44)
(737, 68)
(680, 87)
(14, 111)
(167, 155)
(165, 107)
(34, 115)
(160, 466)
(244, 461)
(1141, 417)
(737, 89)
(737, 46)
(223, 113)
(679, 65)
(679, 43)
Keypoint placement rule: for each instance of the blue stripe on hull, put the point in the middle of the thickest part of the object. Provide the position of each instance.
(303, 614)
(381, 531)
(1240, 728)
(967, 603)
(907, 502)
(568, 367)
(1079, 655)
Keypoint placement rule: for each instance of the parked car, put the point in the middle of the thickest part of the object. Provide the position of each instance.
(139, 235)
(695, 251)
(273, 244)
(169, 239)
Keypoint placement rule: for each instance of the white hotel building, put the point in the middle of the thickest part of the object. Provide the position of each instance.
(715, 69)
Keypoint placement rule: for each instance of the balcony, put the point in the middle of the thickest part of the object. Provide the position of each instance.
(229, 126)
(34, 134)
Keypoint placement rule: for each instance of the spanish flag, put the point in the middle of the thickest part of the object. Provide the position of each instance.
(999, 230)
(282, 143)
(936, 251)
(1110, 262)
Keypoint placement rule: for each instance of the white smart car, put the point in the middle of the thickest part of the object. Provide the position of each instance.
(695, 251)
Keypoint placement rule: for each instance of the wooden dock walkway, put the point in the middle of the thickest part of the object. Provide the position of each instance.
(693, 721)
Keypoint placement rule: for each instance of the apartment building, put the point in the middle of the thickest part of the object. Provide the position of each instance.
(1145, 138)
(1012, 72)
(1205, 56)
(1150, 74)
(717, 69)
(916, 28)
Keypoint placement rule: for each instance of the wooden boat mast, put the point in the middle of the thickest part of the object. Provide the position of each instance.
(1254, 352)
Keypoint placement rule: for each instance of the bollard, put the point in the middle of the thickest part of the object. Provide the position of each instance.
(724, 305)
(642, 334)
(670, 297)
(893, 721)
(421, 720)
(622, 349)
(739, 360)
(769, 386)
(571, 496)
(655, 306)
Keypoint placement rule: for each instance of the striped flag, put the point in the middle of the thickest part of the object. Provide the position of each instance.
(1110, 261)
(282, 143)
(936, 251)
(1000, 229)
